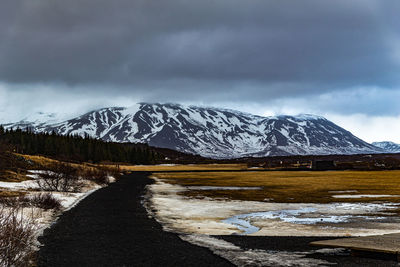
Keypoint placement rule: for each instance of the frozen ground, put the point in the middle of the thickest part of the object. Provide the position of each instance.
(257, 257)
(224, 217)
(364, 196)
(203, 221)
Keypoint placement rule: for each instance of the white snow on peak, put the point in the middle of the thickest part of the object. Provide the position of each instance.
(40, 117)
(388, 146)
(309, 117)
(132, 110)
(213, 132)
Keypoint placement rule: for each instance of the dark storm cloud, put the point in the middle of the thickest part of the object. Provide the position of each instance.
(233, 48)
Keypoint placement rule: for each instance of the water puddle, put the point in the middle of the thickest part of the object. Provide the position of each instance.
(242, 221)
(307, 216)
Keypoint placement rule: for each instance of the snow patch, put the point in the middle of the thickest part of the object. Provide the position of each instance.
(364, 196)
(257, 257)
(224, 217)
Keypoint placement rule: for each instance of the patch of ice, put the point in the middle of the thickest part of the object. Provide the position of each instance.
(32, 176)
(363, 196)
(332, 251)
(37, 171)
(19, 185)
(252, 257)
(242, 221)
(206, 216)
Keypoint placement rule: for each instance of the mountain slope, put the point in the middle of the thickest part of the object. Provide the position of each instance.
(213, 132)
(388, 146)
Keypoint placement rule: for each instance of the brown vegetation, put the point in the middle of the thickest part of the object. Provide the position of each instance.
(17, 237)
(60, 177)
(44, 201)
(291, 187)
(12, 167)
(99, 174)
(190, 167)
(65, 177)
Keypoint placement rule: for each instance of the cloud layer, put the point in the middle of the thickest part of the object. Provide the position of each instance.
(328, 57)
(302, 46)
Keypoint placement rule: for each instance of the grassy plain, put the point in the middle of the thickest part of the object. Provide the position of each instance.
(291, 186)
(191, 167)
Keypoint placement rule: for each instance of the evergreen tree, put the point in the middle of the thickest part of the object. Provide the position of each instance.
(76, 148)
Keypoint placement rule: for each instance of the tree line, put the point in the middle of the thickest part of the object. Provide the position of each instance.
(76, 148)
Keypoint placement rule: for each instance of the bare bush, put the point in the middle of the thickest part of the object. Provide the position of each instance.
(17, 237)
(114, 172)
(44, 201)
(10, 202)
(100, 175)
(60, 177)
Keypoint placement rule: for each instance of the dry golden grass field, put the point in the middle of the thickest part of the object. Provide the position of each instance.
(44, 161)
(292, 186)
(193, 167)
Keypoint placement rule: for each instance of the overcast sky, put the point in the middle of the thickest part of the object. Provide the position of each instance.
(339, 59)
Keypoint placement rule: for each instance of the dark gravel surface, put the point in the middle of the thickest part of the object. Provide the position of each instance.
(111, 228)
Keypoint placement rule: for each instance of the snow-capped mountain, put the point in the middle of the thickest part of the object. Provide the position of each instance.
(36, 119)
(388, 146)
(212, 132)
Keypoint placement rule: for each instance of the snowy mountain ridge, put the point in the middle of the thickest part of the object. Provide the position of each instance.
(388, 146)
(211, 132)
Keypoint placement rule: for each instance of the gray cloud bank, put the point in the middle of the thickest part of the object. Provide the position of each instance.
(172, 47)
(336, 58)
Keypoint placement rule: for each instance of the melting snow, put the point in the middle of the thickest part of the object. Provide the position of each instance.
(224, 217)
(242, 221)
(363, 196)
(256, 257)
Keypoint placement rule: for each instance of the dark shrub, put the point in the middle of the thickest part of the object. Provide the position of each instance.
(60, 177)
(44, 201)
(100, 175)
(17, 237)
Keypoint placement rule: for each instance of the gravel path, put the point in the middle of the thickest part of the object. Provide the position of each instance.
(111, 228)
